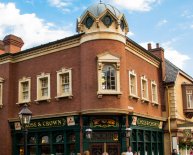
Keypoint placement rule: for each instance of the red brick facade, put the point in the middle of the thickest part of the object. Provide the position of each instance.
(82, 59)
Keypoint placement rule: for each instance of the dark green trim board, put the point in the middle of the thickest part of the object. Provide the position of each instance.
(147, 135)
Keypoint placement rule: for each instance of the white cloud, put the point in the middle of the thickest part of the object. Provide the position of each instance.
(176, 57)
(64, 5)
(135, 5)
(162, 22)
(173, 55)
(29, 27)
(187, 14)
(129, 34)
(191, 26)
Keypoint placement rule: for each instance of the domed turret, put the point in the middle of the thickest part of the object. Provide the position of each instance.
(102, 18)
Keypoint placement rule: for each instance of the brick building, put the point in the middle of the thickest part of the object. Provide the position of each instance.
(98, 79)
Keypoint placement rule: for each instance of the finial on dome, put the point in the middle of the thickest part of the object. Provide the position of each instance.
(100, 1)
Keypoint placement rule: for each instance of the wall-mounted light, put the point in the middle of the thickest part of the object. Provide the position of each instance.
(128, 132)
(89, 133)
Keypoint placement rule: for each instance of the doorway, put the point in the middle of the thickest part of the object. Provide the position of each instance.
(99, 148)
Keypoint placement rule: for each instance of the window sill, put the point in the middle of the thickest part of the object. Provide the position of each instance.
(24, 102)
(64, 96)
(133, 97)
(155, 104)
(42, 100)
(144, 100)
(1, 106)
(101, 93)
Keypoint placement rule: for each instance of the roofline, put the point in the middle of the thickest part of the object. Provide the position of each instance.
(143, 49)
(185, 75)
(180, 71)
(49, 44)
(41, 46)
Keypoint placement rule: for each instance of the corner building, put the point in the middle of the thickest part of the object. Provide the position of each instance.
(98, 79)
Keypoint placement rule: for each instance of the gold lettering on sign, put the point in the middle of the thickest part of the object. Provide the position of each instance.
(47, 123)
(148, 122)
(104, 123)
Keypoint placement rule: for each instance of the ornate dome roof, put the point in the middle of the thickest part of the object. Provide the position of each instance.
(97, 9)
(102, 21)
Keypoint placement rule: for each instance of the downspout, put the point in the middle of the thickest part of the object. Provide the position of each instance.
(169, 123)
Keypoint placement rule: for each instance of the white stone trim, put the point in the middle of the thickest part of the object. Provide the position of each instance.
(153, 83)
(103, 35)
(20, 88)
(108, 59)
(1, 92)
(60, 94)
(132, 73)
(39, 91)
(146, 98)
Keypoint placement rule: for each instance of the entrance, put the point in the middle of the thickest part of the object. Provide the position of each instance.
(110, 148)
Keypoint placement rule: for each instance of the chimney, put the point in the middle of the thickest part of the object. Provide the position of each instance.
(12, 44)
(149, 46)
(1, 47)
(159, 52)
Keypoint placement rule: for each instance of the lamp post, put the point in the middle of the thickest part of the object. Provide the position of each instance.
(25, 116)
(89, 136)
(128, 134)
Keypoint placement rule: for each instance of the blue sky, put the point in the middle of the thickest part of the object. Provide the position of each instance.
(168, 22)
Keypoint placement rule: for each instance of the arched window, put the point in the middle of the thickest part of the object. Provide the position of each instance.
(108, 78)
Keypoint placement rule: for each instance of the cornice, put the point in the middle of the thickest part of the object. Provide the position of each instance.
(39, 51)
(54, 115)
(150, 117)
(103, 35)
(142, 54)
(105, 111)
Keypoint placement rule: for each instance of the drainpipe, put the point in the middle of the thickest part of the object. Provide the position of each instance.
(169, 123)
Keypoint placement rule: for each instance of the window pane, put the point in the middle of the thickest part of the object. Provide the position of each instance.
(132, 85)
(25, 90)
(44, 82)
(32, 140)
(189, 99)
(59, 149)
(44, 86)
(154, 93)
(45, 140)
(59, 139)
(108, 78)
(65, 83)
(144, 89)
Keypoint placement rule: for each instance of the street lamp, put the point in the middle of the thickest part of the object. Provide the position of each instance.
(128, 134)
(25, 116)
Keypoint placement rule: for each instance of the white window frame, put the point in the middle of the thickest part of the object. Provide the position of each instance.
(39, 87)
(153, 84)
(21, 100)
(146, 98)
(1, 92)
(61, 94)
(108, 59)
(189, 98)
(135, 94)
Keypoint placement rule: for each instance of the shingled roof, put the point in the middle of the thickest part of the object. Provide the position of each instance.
(172, 72)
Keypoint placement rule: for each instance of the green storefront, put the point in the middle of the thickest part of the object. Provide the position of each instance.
(108, 134)
(62, 135)
(147, 136)
(57, 136)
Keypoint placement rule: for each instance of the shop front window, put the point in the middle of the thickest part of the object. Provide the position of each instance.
(55, 142)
